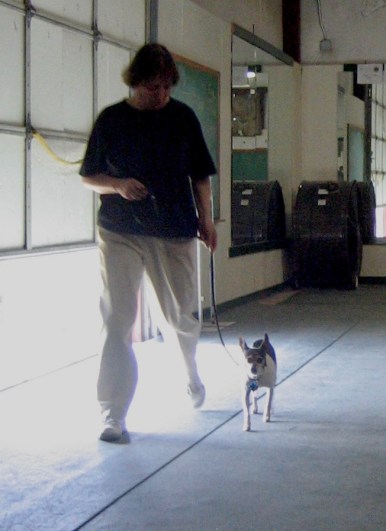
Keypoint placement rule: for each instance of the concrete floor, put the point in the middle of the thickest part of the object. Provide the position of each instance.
(320, 464)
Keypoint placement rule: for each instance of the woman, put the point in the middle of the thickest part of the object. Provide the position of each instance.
(145, 156)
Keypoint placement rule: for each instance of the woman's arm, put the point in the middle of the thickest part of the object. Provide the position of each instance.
(129, 188)
(207, 231)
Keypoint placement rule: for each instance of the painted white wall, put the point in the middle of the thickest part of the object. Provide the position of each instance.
(283, 129)
(297, 127)
(356, 29)
(319, 109)
(374, 260)
(262, 17)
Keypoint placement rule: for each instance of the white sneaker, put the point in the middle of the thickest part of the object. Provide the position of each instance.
(114, 431)
(197, 394)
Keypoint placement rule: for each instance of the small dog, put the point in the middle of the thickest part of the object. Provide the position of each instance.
(261, 372)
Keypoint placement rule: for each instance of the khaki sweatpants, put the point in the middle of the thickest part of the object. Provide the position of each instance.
(170, 265)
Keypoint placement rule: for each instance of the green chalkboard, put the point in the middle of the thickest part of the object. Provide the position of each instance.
(250, 165)
(199, 88)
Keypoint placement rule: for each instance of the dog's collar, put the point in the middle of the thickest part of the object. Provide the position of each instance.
(253, 385)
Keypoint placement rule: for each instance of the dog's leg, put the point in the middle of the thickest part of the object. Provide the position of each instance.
(268, 404)
(255, 406)
(246, 412)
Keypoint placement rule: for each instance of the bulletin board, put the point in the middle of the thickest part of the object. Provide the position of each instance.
(199, 88)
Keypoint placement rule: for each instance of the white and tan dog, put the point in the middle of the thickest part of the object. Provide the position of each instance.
(260, 361)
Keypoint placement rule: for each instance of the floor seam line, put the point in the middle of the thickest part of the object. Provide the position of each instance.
(318, 353)
(216, 428)
(156, 471)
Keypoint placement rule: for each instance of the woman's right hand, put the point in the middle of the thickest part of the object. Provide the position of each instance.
(131, 189)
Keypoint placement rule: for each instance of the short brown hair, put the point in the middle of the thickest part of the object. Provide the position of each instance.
(150, 61)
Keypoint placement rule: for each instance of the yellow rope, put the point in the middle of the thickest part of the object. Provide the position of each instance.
(42, 141)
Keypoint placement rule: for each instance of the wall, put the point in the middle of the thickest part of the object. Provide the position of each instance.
(49, 311)
(374, 260)
(49, 303)
(356, 29)
(200, 36)
(261, 17)
(319, 122)
(284, 127)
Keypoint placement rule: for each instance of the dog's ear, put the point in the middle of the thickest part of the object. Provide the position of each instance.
(243, 345)
(266, 338)
(258, 343)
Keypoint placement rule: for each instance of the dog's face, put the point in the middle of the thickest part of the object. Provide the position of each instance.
(255, 357)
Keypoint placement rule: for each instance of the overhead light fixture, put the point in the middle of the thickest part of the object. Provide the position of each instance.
(253, 70)
(251, 73)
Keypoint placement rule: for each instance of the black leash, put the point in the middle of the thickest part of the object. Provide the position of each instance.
(214, 315)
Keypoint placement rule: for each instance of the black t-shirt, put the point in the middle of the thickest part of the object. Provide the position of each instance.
(163, 149)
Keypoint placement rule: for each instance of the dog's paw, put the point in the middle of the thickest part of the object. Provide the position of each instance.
(247, 426)
(266, 418)
(255, 411)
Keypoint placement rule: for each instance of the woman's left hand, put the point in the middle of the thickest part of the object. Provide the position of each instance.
(207, 233)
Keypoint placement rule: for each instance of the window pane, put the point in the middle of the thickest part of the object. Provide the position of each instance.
(122, 20)
(12, 196)
(111, 62)
(12, 62)
(71, 10)
(61, 80)
(62, 208)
